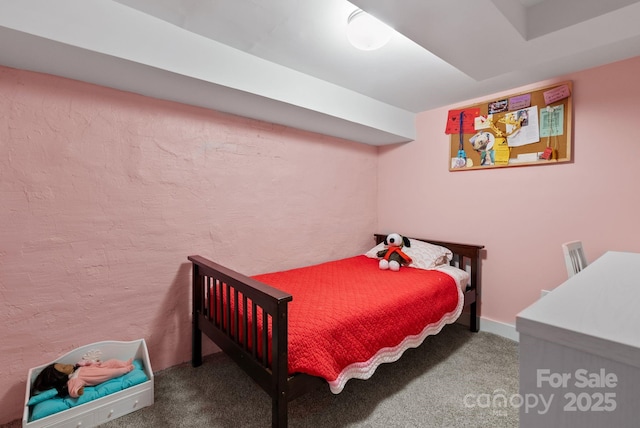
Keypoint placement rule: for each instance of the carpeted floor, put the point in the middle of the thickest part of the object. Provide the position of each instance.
(455, 379)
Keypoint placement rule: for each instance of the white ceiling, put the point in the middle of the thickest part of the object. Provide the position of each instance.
(289, 61)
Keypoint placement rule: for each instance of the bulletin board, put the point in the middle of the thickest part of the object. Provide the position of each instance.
(527, 128)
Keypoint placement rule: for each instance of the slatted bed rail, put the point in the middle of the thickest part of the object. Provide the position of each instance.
(216, 292)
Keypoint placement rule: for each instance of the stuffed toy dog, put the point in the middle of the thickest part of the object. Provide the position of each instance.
(392, 255)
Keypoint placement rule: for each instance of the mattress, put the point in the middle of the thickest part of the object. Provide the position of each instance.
(348, 316)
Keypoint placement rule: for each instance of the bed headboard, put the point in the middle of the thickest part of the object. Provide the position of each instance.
(466, 250)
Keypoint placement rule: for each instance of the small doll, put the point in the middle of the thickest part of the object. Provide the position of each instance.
(55, 376)
(69, 379)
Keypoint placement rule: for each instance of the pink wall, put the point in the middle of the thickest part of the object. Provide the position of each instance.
(105, 194)
(522, 215)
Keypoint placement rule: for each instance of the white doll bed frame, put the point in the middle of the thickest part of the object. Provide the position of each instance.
(103, 409)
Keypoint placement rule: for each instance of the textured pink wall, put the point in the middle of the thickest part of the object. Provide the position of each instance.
(522, 215)
(105, 193)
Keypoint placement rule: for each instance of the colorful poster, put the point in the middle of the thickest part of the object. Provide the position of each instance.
(498, 106)
(529, 131)
(520, 102)
(467, 116)
(551, 121)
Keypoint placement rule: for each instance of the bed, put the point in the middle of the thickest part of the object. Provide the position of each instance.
(291, 336)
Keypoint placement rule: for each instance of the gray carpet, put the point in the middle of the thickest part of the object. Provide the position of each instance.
(449, 381)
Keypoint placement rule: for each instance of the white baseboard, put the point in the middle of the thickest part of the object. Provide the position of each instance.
(499, 328)
(491, 326)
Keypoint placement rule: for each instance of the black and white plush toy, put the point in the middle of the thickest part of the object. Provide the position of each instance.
(392, 255)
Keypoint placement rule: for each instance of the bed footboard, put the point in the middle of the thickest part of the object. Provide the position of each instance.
(217, 292)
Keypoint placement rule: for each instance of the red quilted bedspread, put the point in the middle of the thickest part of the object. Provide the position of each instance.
(348, 316)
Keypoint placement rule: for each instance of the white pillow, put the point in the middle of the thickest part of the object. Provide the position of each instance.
(423, 255)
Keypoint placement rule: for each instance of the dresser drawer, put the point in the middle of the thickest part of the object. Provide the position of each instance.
(81, 421)
(123, 406)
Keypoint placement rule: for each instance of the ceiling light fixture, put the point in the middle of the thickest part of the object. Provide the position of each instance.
(366, 32)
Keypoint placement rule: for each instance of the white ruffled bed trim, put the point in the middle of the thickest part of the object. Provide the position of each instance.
(364, 370)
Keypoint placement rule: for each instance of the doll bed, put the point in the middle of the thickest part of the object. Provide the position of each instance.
(218, 291)
(100, 403)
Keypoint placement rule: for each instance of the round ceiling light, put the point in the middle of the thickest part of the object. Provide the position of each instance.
(366, 32)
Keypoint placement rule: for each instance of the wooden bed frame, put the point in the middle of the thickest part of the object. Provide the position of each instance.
(219, 322)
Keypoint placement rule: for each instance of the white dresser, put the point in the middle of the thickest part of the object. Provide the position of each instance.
(580, 349)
